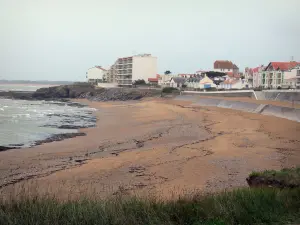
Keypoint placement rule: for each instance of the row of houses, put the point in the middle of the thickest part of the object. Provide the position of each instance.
(225, 75)
(275, 75)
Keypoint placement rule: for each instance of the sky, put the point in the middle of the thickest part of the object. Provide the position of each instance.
(61, 39)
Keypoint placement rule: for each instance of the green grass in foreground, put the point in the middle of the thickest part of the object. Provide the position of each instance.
(244, 206)
(288, 176)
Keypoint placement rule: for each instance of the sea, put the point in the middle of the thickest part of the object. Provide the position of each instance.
(23, 122)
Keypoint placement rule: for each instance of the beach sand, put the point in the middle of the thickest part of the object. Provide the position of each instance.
(156, 147)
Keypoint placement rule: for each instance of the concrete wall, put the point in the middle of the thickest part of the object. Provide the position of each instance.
(278, 111)
(285, 96)
(242, 93)
(144, 68)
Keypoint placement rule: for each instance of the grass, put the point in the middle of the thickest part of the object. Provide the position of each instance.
(170, 90)
(244, 206)
(289, 176)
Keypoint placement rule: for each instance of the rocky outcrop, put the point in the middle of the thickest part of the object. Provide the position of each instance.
(121, 94)
(84, 90)
(64, 91)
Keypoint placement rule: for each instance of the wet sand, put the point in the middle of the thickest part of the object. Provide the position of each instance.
(155, 146)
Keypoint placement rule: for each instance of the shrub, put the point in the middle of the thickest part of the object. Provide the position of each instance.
(169, 90)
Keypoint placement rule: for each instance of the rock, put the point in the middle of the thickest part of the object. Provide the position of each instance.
(257, 181)
(5, 148)
(59, 137)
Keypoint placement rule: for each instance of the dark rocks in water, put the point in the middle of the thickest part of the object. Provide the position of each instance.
(74, 126)
(16, 145)
(23, 95)
(5, 148)
(59, 137)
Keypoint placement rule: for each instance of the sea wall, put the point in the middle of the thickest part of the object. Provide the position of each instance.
(265, 109)
(242, 93)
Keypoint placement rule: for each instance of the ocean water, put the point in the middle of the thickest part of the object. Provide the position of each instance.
(24, 122)
(21, 87)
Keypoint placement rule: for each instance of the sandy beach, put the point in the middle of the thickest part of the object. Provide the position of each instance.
(155, 146)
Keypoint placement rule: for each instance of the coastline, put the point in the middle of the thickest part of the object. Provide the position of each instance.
(158, 146)
(65, 129)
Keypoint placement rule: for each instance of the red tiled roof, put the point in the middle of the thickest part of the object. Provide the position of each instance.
(283, 65)
(255, 70)
(224, 64)
(100, 68)
(153, 79)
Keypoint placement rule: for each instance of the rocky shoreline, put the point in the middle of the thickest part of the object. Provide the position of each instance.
(67, 123)
(83, 91)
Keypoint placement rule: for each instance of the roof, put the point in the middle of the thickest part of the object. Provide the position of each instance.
(153, 79)
(178, 80)
(282, 65)
(255, 70)
(206, 80)
(224, 64)
(230, 82)
(100, 68)
(194, 79)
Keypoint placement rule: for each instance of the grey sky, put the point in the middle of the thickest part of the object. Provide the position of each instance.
(61, 39)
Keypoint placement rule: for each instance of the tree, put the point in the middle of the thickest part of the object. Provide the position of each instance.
(167, 72)
(139, 82)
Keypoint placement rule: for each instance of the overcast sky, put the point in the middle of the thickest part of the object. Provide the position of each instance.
(61, 39)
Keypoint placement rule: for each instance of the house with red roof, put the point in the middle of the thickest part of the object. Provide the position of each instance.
(276, 74)
(225, 66)
(253, 75)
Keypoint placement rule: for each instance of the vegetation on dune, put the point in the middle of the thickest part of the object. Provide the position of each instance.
(285, 178)
(170, 90)
(245, 206)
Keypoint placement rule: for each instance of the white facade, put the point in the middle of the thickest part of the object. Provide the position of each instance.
(223, 70)
(130, 69)
(291, 78)
(95, 74)
(164, 80)
(144, 67)
(235, 84)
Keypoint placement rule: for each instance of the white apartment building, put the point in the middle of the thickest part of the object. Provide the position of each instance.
(95, 74)
(129, 69)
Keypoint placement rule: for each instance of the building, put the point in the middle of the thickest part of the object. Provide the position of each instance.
(249, 75)
(292, 78)
(225, 66)
(276, 74)
(154, 80)
(257, 74)
(164, 80)
(129, 69)
(206, 82)
(234, 84)
(177, 82)
(96, 74)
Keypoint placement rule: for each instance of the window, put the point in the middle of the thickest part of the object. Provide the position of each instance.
(298, 72)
